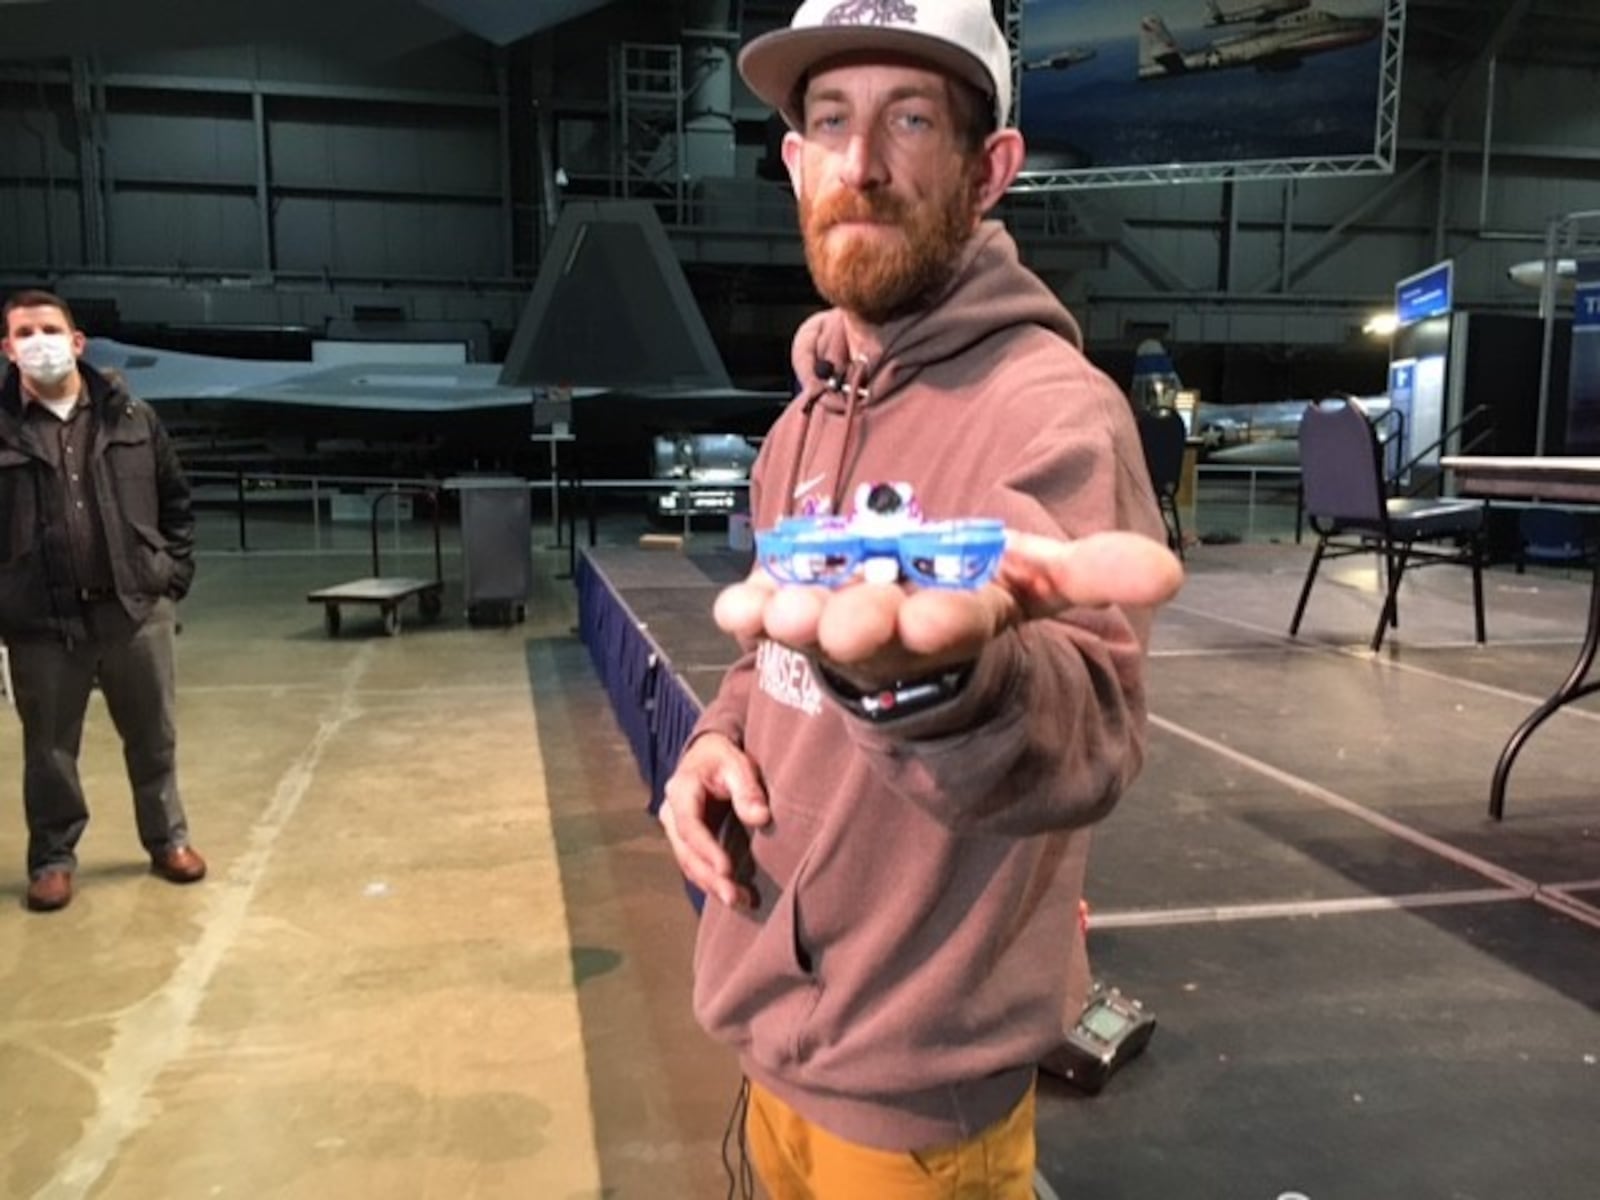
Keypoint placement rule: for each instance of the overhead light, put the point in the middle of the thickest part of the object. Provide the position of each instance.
(1381, 324)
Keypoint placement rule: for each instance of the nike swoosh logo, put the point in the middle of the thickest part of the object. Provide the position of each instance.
(800, 492)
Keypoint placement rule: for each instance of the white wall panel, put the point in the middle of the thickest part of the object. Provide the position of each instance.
(392, 169)
(462, 65)
(368, 148)
(1367, 266)
(162, 230)
(31, 220)
(37, 141)
(195, 142)
(383, 239)
(1545, 105)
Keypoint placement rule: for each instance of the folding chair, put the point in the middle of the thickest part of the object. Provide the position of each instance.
(1341, 472)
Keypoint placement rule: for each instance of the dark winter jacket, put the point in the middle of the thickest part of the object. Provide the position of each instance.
(143, 506)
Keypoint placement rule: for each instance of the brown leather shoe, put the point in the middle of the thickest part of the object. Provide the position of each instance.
(179, 865)
(50, 890)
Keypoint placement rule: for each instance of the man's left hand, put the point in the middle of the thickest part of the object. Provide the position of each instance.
(872, 634)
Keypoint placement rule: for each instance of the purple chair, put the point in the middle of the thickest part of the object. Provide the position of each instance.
(1346, 502)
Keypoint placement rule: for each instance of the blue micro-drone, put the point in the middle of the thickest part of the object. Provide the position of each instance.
(886, 540)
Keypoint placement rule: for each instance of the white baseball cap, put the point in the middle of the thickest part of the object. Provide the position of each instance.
(959, 36)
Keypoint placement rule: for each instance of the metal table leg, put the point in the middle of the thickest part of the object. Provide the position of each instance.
(1572, 688)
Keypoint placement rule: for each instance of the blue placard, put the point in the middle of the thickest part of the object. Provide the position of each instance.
(1425, 294)
(1586, 300)
(1402, 388)
(1583, 378)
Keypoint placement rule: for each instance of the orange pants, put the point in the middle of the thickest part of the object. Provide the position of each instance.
(796, 1160)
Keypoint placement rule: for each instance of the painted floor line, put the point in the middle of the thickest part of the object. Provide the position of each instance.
(1466, 860)
(1354, 650)
(1488, 689)
(517, 684)
(149, 1036)
(1146, 918)
(1564, 902)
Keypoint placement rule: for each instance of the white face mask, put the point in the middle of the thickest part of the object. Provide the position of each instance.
(45, 358)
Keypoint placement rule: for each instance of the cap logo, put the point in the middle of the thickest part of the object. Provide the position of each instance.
(872, 12)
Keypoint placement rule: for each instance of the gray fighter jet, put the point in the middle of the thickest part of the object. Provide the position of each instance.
(1276, 45)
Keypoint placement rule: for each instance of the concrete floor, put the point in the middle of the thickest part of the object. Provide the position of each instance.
(1350, 964)
(431, 960)
(443, 952)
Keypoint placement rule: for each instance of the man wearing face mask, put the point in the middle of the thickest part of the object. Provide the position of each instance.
(96, 545)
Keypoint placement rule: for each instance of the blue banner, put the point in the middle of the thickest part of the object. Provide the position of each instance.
(1583, 386)
(1425, 294)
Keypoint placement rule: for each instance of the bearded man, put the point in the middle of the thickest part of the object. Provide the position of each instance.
(888, 942)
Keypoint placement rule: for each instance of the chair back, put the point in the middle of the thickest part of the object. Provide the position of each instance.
(1162, 433)
(1340, 466)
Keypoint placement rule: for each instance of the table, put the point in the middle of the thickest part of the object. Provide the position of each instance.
(1552, 478)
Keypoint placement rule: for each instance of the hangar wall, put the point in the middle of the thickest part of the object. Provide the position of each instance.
(287, 184)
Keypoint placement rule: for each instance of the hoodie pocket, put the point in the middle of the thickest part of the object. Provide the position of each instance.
(756, 985)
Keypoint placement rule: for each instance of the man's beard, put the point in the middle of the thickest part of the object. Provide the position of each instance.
(876, 276)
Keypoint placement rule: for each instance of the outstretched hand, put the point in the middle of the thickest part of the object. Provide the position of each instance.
(873, 633)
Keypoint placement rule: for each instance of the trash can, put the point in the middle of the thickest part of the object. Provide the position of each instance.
(496, 547)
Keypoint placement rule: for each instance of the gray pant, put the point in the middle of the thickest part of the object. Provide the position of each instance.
(133, 665)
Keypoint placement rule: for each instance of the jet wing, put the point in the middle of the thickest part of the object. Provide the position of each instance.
(156, 375)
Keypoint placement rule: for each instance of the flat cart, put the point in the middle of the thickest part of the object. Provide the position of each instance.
(390, 592)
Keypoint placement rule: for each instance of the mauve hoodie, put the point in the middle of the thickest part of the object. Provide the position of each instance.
(912, 948)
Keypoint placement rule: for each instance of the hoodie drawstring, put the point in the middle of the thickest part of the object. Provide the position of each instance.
(741, 1175)
(806, 409)
(855, 398)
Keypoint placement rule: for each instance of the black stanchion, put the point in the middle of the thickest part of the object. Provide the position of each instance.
(238, 480)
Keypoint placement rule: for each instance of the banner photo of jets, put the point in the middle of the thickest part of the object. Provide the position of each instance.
(1118, 84)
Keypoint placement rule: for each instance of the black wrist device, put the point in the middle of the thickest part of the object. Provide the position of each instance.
(903, 698)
